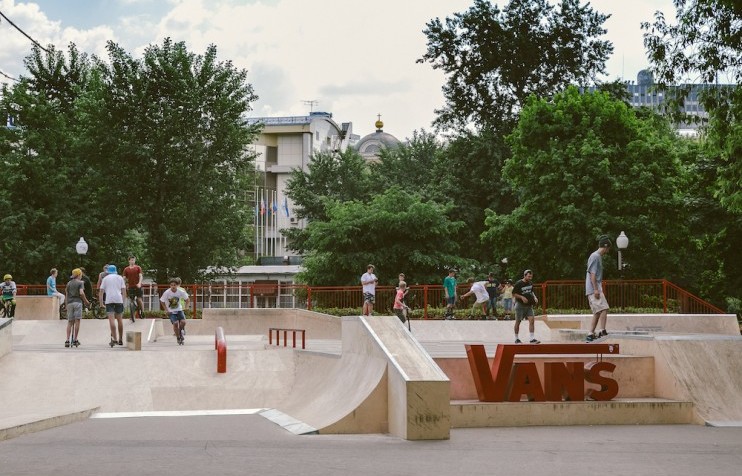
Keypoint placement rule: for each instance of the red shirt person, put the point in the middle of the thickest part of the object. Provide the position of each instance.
(133, 276)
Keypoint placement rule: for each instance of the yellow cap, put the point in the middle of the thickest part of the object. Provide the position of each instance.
(77, 272)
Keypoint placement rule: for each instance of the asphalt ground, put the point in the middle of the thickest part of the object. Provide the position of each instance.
(252, 445)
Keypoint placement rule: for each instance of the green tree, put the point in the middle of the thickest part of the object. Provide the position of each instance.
(330, 177)
(169, 135)
(584, 165)
(43, 179)
(703, 44)
(495, 58)
(396, 231)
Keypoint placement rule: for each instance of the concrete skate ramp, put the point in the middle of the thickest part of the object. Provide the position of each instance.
(725, 324)
(258, 321)
(703, 369)
(473, 332)
(383, 381)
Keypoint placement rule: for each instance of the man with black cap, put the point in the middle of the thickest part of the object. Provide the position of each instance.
(525, 299)
(594, 289)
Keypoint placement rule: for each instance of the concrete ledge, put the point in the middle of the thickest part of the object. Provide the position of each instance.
(133, 340)
(667, 323)
(16, 430)
(6, 335)
(37, 307)
(650, 411)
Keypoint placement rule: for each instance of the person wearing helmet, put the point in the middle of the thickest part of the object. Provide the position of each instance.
(8, 290)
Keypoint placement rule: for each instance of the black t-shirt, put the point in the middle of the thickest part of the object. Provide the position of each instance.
(492, 287)
(87, 287)
(526, 290)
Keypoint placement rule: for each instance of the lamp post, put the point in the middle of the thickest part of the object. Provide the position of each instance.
(81, 247)
(504, 263)
(622, 242)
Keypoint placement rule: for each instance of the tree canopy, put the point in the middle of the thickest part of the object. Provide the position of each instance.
(133, 154)
(494, 58)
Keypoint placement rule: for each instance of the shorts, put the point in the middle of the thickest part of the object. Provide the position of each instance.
(369, 298)
(507, 303)
(522, 311)
(135, 292)
(176, 316)
(115, 308)
(451, 300)
(74, 311)
(482, 297)
(597, 305)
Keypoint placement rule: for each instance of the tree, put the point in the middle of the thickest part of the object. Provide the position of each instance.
(169, 135)
(396, 230)
(705, 42)
(43, 179)
(330, 176)
(584, 165)
(495, 58)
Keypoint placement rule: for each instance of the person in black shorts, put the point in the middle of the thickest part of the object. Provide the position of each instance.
(524, 302)
(133, 276)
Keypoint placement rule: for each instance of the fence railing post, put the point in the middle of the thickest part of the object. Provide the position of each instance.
(309, 298)
(425, 301)
(664, 296)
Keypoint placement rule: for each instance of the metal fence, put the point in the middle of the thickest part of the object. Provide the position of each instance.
(652, 295)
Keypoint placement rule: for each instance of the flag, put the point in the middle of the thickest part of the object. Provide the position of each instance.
(286, 206)
(274, 206)
(262, 206)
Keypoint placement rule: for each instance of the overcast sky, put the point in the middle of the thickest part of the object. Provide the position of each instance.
(356, 58)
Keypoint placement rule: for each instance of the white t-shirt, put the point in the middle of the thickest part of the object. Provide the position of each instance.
(480, 291)
(172, 300)
(371, 287)
(111, 286)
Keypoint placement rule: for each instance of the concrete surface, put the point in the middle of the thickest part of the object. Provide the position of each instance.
(250, 445)
(6, 335)
(37, 307)
(725, 324)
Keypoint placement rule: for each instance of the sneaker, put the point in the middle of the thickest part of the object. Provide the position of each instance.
(517, 341)
(120, 342)
(66, 343)
(590, 337)
(76, 343)
(535, 341)
(602, 333)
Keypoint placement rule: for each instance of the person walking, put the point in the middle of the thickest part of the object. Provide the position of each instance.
(405, 308)
(449, 293)
(507, 299)
(76, 298)
(113, 288)
(399, 305)
(524, 302)
(594, 289)
(493, 291)
(369, 280)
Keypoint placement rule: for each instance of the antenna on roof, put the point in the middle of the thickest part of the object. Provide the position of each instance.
(311, 103)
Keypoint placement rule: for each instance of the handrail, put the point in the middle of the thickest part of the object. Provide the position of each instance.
(220, 344)
(428, 298)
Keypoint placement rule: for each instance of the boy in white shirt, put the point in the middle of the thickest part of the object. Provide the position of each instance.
(172, 304)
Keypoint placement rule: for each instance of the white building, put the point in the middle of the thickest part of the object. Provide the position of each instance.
(287, 143)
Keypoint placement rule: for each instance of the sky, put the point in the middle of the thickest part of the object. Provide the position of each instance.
(352, 58)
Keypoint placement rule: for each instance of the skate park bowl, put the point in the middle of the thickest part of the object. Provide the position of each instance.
(357, 374)
(347, 381)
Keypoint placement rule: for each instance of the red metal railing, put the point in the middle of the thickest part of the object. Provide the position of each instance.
(220, 345)
(554, 296)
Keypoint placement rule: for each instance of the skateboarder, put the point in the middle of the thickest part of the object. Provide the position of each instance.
(171, 303)
(594, 289)
(524, 302)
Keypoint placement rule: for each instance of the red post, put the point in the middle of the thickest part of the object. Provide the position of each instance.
(220, 343)
(664, 296)
(285, 333)
(309, 298)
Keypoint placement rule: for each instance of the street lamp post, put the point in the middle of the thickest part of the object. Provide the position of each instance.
(81, 247)
(622, 242)
(504, 263)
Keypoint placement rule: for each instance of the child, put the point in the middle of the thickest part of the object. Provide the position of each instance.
(399, 305)
(171, 303)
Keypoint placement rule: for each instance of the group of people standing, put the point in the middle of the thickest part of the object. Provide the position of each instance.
(489, 291)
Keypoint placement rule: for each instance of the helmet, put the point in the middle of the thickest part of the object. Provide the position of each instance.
(7, 276)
